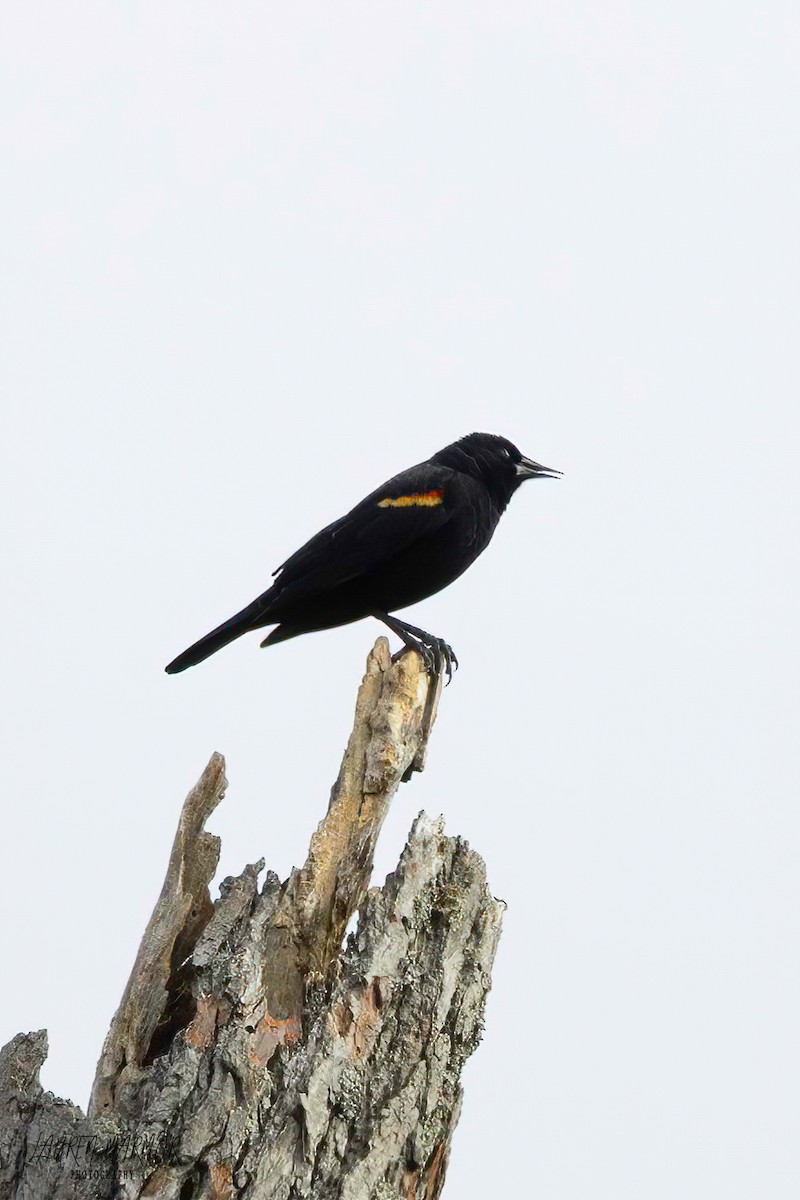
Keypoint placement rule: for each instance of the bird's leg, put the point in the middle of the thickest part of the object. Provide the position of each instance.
(434, 651)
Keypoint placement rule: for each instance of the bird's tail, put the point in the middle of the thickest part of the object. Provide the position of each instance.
(252, 617)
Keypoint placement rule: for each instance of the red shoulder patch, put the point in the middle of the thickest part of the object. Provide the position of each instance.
(415, 499)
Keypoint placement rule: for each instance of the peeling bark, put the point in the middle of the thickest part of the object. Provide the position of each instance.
(252, 1055)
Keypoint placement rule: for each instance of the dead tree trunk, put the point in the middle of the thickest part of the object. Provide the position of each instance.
(252, 1056)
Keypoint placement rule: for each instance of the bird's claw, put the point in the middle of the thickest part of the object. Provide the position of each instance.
(437, 655)
(425, 652)
(446, 659)
(429, 658)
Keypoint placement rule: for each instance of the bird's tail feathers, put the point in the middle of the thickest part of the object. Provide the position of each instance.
(252, 617)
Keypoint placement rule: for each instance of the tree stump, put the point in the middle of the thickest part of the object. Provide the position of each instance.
(252, 1054)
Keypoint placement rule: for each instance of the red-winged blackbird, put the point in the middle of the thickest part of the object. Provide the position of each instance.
(405, 541)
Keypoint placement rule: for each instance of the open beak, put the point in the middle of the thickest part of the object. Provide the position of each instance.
(528, 469)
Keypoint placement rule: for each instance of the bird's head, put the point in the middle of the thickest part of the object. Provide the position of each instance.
(496, 461)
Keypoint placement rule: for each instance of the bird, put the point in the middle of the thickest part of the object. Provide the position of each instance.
(408, 539)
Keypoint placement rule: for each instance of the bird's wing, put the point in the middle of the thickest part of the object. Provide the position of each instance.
(408, 507)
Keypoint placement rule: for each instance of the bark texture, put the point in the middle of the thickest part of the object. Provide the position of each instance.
(253, 1055)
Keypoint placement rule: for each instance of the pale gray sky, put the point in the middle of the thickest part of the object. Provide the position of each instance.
(259, 257)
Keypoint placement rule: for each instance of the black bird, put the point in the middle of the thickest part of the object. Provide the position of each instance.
(405, 541)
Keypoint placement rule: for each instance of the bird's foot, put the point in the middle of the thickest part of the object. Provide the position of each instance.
(438, 656)
(427, 653)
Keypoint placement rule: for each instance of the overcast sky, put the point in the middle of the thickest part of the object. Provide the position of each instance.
(256, 259)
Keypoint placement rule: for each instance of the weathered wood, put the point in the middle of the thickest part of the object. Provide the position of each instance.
(252, 1055)
(182, 911)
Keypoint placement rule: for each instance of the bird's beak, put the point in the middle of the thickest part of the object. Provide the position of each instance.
(528, 469)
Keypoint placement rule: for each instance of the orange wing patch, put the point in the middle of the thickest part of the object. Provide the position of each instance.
(420, 499)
